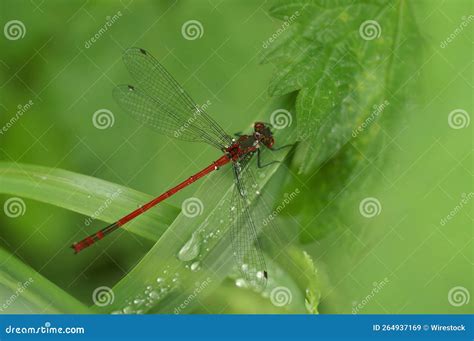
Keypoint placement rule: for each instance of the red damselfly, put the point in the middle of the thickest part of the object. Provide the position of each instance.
(159, 102)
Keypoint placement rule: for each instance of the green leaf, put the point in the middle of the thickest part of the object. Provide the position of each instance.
(83, 194)
(309, 278)
(294, 76)
(352, 94)
(294, 287)
(328, 54)
(23, 289)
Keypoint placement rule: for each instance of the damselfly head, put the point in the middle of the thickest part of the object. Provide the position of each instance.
(264, 134)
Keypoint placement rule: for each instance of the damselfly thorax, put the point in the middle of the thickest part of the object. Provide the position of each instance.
(248, 144)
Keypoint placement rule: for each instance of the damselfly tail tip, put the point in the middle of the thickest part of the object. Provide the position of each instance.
(76, 248)
(79, 246)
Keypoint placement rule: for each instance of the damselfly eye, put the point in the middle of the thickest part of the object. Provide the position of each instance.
(259, 126)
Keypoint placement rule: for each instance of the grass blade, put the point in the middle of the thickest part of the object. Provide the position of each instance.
(23, 289)
(86, 195)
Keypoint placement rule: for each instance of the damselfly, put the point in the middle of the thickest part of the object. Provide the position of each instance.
(159, 102)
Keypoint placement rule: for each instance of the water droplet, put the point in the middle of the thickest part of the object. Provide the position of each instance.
(190, 250)
(259, 274)
(240, 282)
(149, 287)
(154, 295)
(245, 267)
(159, 280)
(138, 301)
(128, 310)
(195, 266)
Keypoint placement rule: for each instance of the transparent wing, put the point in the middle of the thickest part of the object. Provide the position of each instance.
(167, 102)
(244, 232)
(261, 211)
(144, 108)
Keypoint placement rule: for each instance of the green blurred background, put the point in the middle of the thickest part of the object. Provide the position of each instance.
(67, 82)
